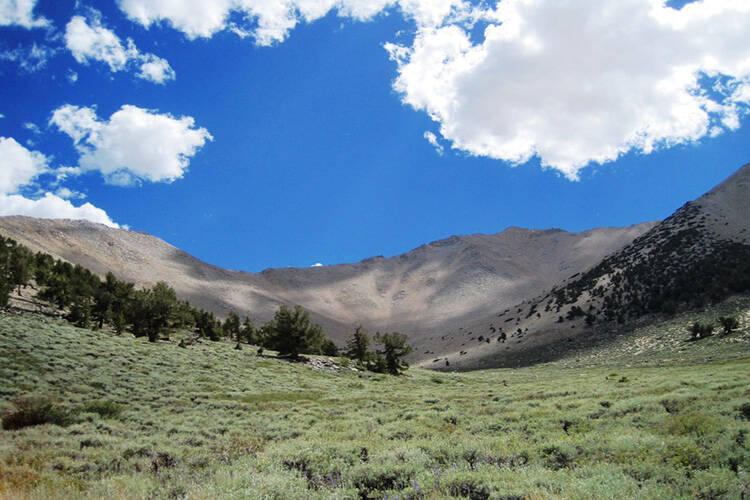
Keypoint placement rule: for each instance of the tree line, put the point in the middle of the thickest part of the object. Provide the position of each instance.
(88, 301)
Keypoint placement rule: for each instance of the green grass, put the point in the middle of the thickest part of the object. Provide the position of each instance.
(208, 421)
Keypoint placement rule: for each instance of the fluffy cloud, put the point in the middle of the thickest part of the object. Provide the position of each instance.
(574, 82)
(569, 82)
(19, 168)
(269, 21)
(18, 165)
(133, 145)
(20, 13)
(155, 69)
(52, 207)
(88, 41)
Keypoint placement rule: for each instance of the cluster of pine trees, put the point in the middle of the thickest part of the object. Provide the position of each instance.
(90, 302)
(387, 359)
(290, 332)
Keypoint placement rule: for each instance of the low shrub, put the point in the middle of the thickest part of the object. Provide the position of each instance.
(28, 410)
(744, 410)
(105, 408)
(684, 424)
(700, 331)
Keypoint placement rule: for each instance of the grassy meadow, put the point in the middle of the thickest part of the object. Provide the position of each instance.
(664, 419)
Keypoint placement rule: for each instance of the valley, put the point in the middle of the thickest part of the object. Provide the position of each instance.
(654, 417)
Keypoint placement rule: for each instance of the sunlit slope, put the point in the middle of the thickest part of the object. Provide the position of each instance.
(698, 256)
(208, 421)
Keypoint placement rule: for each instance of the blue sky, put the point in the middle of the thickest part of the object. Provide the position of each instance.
(306, 139)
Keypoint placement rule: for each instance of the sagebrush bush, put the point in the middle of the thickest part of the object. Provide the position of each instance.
(27, 410)
(695, 423)
(105, 408)
(744, 410)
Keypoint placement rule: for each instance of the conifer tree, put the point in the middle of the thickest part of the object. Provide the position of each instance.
(358, 346)
(292, 333)
(393, 351)
(249, 332)
(231, 326)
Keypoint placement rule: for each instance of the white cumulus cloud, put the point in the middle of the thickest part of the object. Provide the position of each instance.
(20, 168)
(134, 145)
(20, 13)
(89, 41)
(155, 69)
(18, 165)
(573, 82)
(52, 207)
(269, 21)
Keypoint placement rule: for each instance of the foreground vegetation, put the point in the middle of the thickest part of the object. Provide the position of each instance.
(133, 419)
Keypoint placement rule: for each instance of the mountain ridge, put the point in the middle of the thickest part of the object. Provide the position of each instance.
(698, 255)
(416, 291)
(468, 301)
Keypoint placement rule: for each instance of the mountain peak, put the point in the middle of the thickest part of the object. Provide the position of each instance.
(727, 207)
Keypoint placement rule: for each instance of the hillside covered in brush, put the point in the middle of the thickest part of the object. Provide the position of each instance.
(89, 414)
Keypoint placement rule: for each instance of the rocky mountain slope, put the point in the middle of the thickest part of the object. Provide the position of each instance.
(424, 292)
(697, 256)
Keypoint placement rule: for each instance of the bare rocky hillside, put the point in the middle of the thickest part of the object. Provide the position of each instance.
(424, 292)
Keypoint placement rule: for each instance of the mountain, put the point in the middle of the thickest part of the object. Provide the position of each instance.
(429, 290)
(506, 299)
(697, 256)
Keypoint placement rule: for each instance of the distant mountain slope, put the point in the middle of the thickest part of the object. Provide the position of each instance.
(423, 292)
(697, 256)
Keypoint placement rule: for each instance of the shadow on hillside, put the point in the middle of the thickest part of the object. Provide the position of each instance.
(558, 350)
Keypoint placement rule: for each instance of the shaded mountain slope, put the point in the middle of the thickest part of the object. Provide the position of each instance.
(698, 256)
(422, 292)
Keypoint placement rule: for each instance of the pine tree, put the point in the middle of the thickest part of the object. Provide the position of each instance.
(358, 346)
(103, 300)
(162, 303)
(207, 325)
(291, 333)
(231, 327)
(329, 348)
(249, 332)
(151, 310)
(393, 351)
(20, 266)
